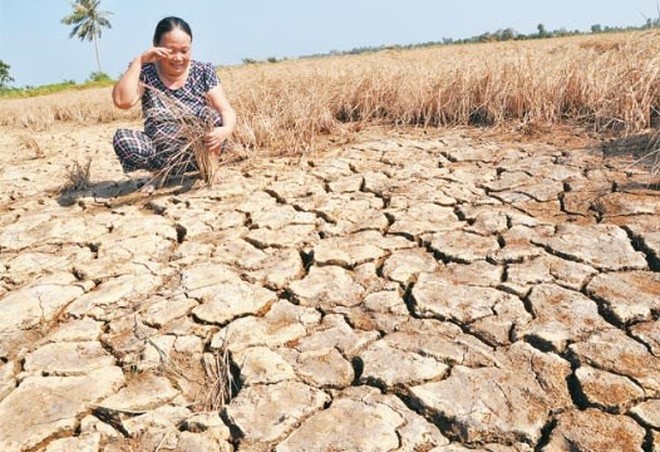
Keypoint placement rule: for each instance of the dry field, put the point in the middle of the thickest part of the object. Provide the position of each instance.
(606, 83)
(462, 212)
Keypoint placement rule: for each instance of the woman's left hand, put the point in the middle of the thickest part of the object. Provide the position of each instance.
(215, 138)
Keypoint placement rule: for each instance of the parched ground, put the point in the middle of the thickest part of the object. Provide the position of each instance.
(408, 292)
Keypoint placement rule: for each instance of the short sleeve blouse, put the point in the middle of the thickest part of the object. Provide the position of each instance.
(201, 79)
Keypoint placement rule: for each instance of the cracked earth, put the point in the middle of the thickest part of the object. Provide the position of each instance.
(406, 292)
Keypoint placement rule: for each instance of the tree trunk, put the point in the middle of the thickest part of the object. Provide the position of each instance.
(96, 47)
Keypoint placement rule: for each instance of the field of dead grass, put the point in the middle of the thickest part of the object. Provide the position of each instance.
(598, 83)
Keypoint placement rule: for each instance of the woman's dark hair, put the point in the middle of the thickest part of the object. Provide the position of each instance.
(168, 24)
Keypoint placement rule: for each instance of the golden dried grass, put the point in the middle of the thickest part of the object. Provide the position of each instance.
(602, 83)
(29, 142)
(89, 106)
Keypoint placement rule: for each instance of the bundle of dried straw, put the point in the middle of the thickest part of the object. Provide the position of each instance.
(181, 147)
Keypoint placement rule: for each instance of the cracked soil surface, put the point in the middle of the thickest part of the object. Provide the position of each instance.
(406, 292)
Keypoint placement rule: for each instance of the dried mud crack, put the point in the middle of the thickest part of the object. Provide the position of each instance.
(435, 293)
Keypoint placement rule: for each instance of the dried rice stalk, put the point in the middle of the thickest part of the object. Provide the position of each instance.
(186, 145)
(219, 379)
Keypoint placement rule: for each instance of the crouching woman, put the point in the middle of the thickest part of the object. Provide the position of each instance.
(174, 90)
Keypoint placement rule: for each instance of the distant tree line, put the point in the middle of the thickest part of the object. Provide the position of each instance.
(507, 34)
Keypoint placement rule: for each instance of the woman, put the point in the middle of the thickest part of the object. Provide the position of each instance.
(164, 77)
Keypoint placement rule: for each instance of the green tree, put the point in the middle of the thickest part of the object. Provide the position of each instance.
(506, 34)
(543, 33)
(5, 78)
(88, 21)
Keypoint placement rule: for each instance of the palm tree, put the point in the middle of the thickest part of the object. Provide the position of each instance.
(87, 22)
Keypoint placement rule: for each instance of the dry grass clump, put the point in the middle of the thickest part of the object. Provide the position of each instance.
(30, 143)
(209, 382)
(220, 384)
(601, 83)
(77, 177)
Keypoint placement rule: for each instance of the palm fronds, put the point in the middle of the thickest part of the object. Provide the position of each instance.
(87, 20)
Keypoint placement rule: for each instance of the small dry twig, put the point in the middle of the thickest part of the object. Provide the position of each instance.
(162, 441)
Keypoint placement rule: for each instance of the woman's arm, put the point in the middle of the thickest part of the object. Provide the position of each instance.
(127, 91)
(219, 101)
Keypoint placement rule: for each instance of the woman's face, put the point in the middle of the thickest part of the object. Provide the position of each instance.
(178, 42)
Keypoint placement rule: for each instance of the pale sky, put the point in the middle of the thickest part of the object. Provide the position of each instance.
(37, 47)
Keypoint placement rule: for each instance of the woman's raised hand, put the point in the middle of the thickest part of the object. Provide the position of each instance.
(154, 54)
